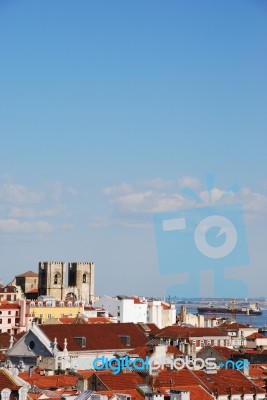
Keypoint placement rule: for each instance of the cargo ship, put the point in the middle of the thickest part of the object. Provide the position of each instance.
(252, 309)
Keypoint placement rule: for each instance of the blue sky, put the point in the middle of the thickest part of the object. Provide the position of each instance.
(107, 110)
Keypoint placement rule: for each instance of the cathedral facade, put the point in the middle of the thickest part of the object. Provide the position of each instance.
(73, 282)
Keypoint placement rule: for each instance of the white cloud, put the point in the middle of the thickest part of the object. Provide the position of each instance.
(21, 212)
(189, 181)
(24, 210)
(133, 203)
(211, 197)
(124, 188)
(12, 225)
(157, 184)
(150, 202)
(106, 222)
(19, 194)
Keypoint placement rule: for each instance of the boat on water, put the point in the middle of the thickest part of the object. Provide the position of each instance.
(252, 309)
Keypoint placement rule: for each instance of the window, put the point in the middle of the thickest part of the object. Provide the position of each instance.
(31, 345)
(1, 321)
(9, 321)
(56, 279)
(81, 340)
(9, 312)
(126, 340)
(49, 316)
(84, 278)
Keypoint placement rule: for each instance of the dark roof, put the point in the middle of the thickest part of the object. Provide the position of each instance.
(28, 274)
(97, 336)
(225, 352)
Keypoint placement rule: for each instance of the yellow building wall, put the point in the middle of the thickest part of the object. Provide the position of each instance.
(55, 312)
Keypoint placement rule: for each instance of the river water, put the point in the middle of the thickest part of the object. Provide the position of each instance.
(257, 321)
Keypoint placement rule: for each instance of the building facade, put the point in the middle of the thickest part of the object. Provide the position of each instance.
(73, 283)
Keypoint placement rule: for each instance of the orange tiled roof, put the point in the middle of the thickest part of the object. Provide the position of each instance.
(141, 352)
(256, 335)
(4, 340)
(98, 320)
(138, 301)
(174, 350)
(6, 381)
(233, 326)
(98, 336)
(176, 331)
(5, 305)
(122, 381)
(48, 382)
(226, 382)
(177, 378)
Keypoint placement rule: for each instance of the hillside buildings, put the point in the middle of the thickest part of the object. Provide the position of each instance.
(138, 309)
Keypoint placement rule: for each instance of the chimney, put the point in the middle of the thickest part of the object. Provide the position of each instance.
(183, 314)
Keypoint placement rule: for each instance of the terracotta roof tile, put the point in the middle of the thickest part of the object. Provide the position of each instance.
(226, 382)
(174, 379)
(5, 305)
(7, 381)
(256, 335)
(28, 274)
(98, 336)
(99, 320)
(121, 381)
(4, 340)
(176, 331)
(49, 382)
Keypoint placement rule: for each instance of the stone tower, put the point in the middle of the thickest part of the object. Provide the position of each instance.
(52, 279)
(81, 281)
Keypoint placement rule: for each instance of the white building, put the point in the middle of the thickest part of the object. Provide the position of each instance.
(126, 309)
(138, 309)
(161, 313)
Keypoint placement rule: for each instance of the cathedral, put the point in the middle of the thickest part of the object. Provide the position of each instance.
(79, 276)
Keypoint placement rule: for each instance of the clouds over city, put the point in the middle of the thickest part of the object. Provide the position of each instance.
(25, 209)
(133, 205)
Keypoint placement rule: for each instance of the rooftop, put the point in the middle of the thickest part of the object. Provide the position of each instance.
(28, 274)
